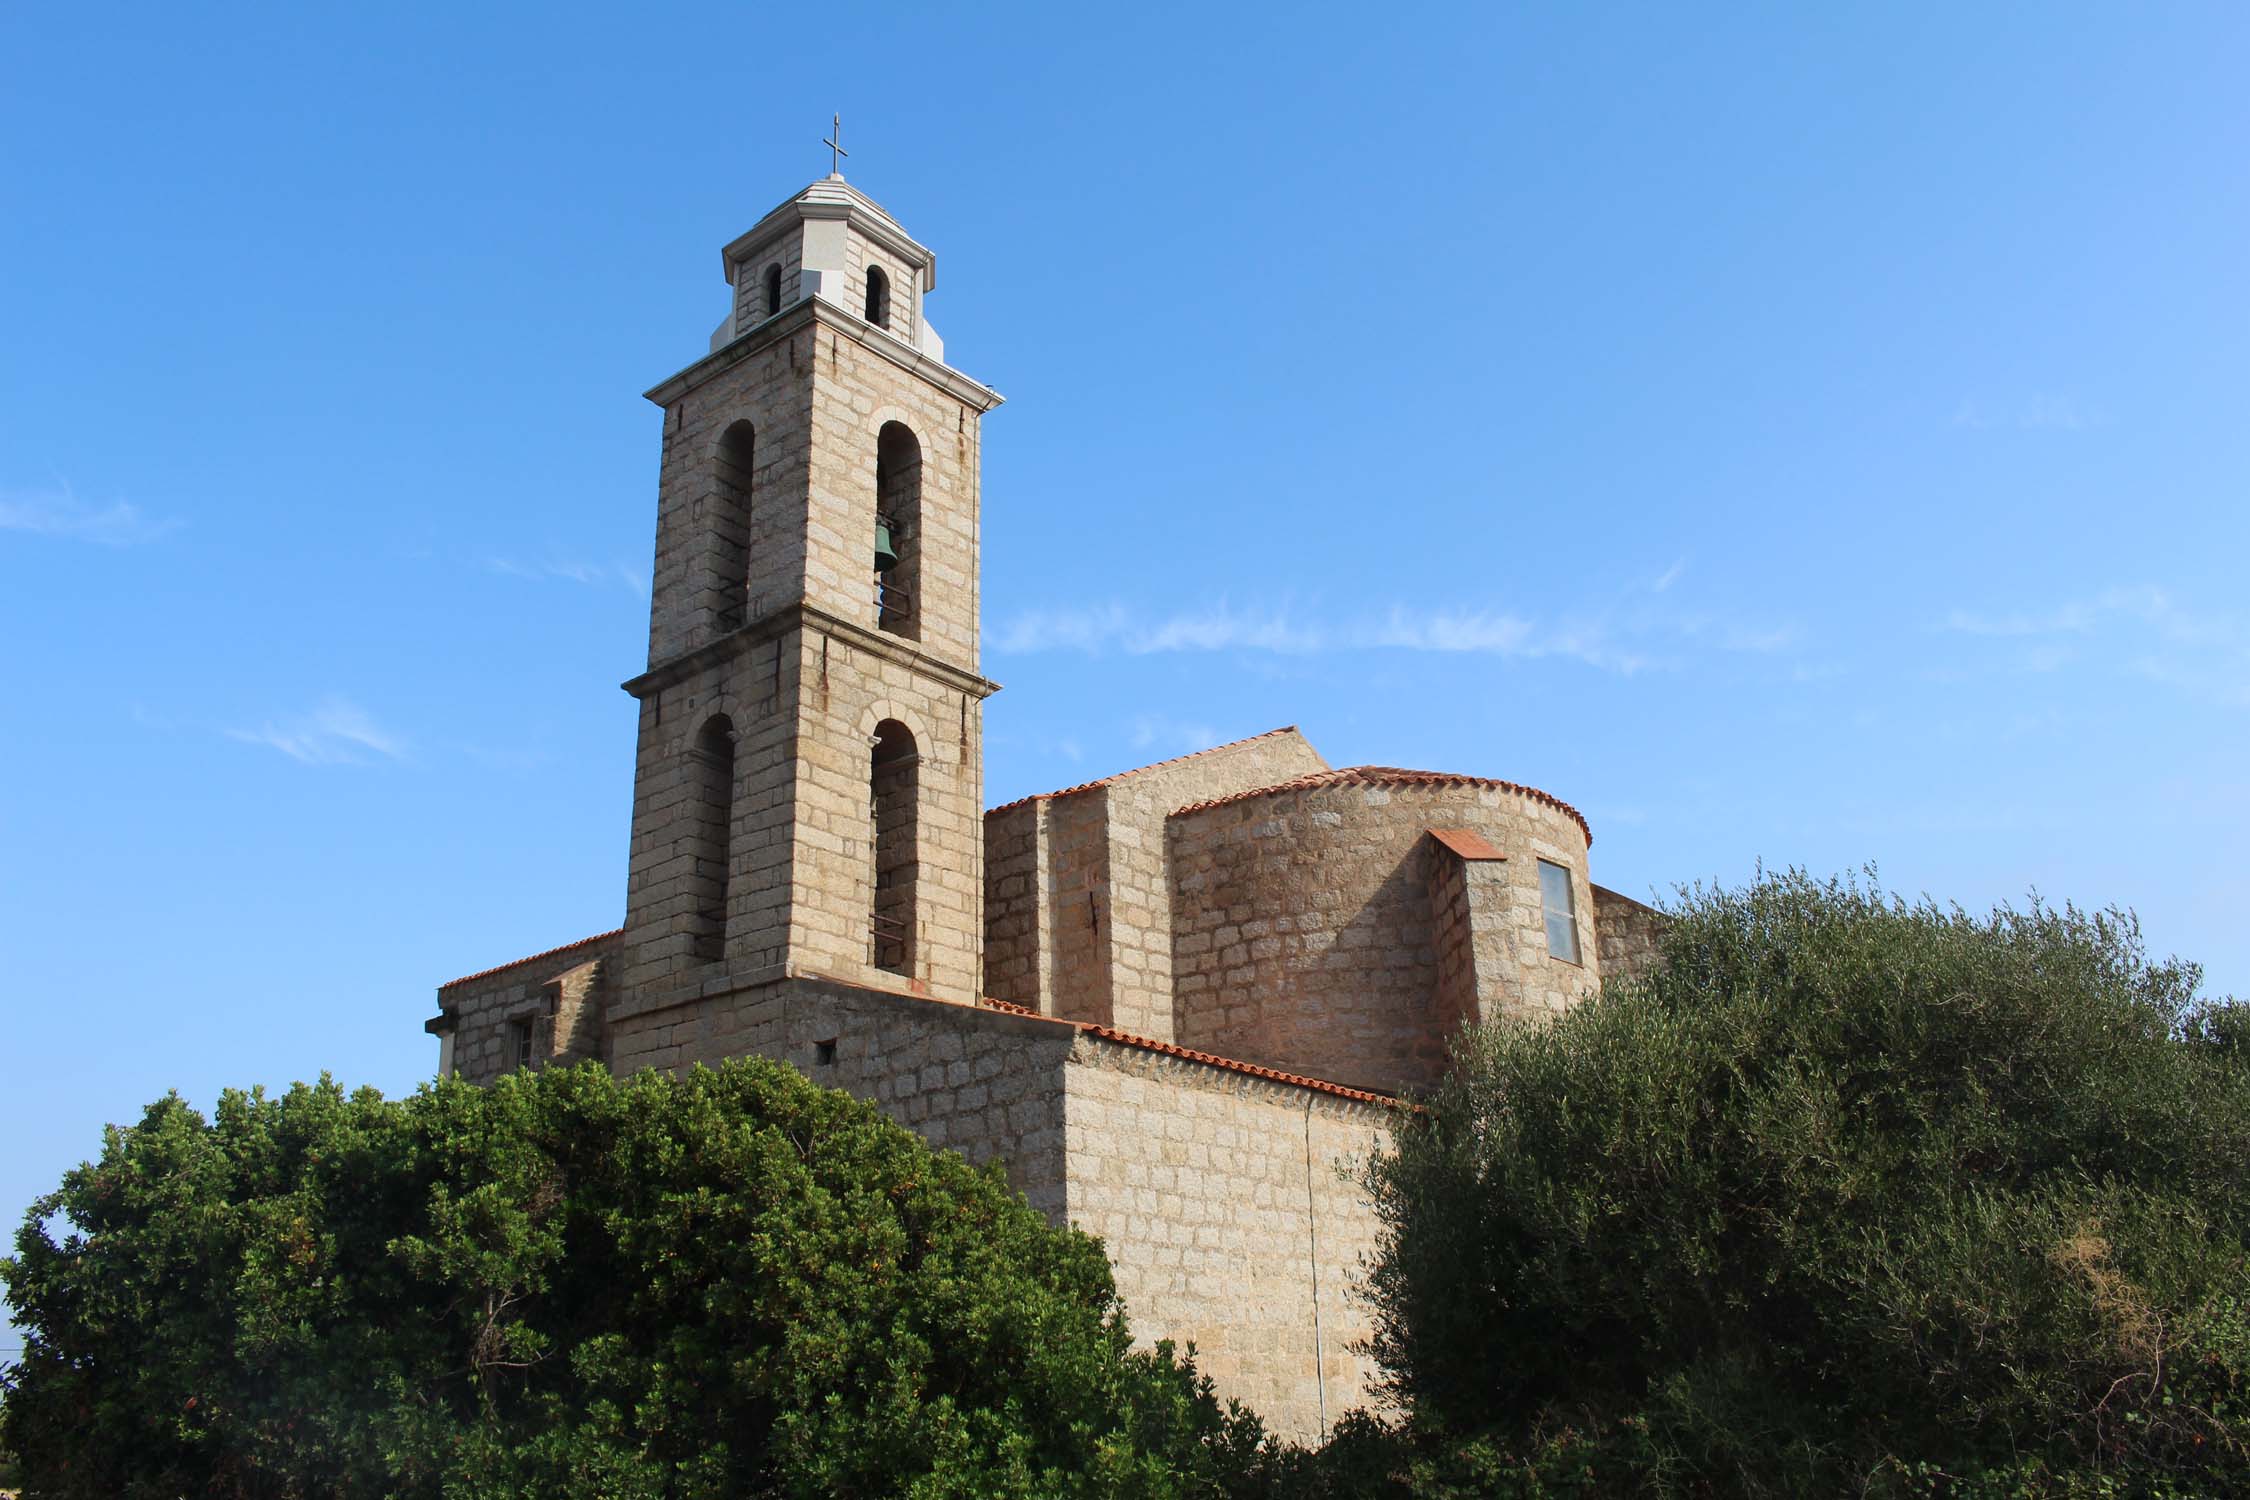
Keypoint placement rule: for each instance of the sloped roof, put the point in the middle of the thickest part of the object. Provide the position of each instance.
(1091, 786)
(517, 963)
(1189, 1054)
(1392, 776)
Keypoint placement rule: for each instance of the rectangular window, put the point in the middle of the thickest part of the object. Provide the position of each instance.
(519, 1042)
(1561, 910)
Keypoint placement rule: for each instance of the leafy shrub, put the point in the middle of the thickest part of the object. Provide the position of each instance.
(1847, 1194)
(734, 1283)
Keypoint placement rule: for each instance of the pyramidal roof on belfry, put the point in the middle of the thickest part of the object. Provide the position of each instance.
(833, 198)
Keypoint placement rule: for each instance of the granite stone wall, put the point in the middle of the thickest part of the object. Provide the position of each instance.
(1016, 911)
(807, 672)
(1306, 940)
(562, 994)
(1228, 1209)
(977, 1081)
(1628, 933)
(1079, 918)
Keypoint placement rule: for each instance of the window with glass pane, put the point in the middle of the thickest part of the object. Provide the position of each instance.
(1561, 911)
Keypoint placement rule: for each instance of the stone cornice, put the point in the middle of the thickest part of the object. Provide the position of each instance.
(800, 615)
(878, 341)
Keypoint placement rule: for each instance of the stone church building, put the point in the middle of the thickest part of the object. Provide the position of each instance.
(1171, 1000)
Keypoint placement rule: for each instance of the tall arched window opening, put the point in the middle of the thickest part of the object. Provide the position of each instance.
(878, 297)
(726, 583)
(893, 780)
(773, 289)
(898, 521)
(710, 880)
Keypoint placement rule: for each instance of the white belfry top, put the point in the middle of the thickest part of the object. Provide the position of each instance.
(826, 239)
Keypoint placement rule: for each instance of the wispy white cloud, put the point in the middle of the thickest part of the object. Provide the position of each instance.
(2142, 628)
(1607, 642)
(1156, 731)
(571, 570)
(1083, 629)
(1223, 628)
(2143, 602)
(1668, 577)
(60, 513)
(336, 732)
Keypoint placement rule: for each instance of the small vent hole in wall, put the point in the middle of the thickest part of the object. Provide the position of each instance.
(824, 1053)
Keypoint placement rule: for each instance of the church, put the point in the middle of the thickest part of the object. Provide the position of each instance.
(1172, 1001)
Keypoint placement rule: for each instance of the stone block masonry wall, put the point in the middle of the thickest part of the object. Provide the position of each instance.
(980, 1082)
(851, 684)
(806, 678)
(1629, 933)
(1079, 918)
(560, 992)
(1140, 906)
(1078, 974)
(786, 250)
(1469, 901)
(1226, 1208)
(753, 682)
(860, 253)
(1015, 880)
(1304, 933)
(857, 387)
(767, 383)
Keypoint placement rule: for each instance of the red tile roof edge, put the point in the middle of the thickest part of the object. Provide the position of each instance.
(517, 963)
(1157, 765)
(1466, 842)
(1189, 1054)
(1394, 776)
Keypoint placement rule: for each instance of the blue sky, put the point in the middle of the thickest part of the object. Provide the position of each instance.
(1802, 434)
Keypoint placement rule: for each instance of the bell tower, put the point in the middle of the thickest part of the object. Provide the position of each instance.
(808, 789)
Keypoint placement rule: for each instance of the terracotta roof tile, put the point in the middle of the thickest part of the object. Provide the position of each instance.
(1466, 842)
(1094, 786)
(1385, 776)
(517, 963)
(1188, 1054)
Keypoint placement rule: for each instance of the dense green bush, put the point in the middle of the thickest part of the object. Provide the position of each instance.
(730, 1284)
(1846, 1195)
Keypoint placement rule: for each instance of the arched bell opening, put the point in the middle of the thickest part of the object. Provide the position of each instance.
(894, 780)
(726, 584)
(878, 297)
(711, 873)
(898, 531)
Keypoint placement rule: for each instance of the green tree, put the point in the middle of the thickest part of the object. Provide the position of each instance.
(1847, 1195)
(733, 1283)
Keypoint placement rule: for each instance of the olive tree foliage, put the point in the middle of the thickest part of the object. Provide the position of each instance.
(1847, 1195)
(733, 1283)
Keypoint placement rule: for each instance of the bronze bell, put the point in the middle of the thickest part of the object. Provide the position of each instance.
(886, 554)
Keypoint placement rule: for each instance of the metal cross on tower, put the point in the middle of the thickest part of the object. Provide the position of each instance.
(834, 143)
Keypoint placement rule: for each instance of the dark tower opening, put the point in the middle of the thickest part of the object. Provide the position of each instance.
(894, 779)
(711, 778)
(726, 582)
(773, 289)
(878, 297)
(898, 511)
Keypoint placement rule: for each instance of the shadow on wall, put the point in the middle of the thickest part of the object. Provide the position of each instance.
(1303, 987)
